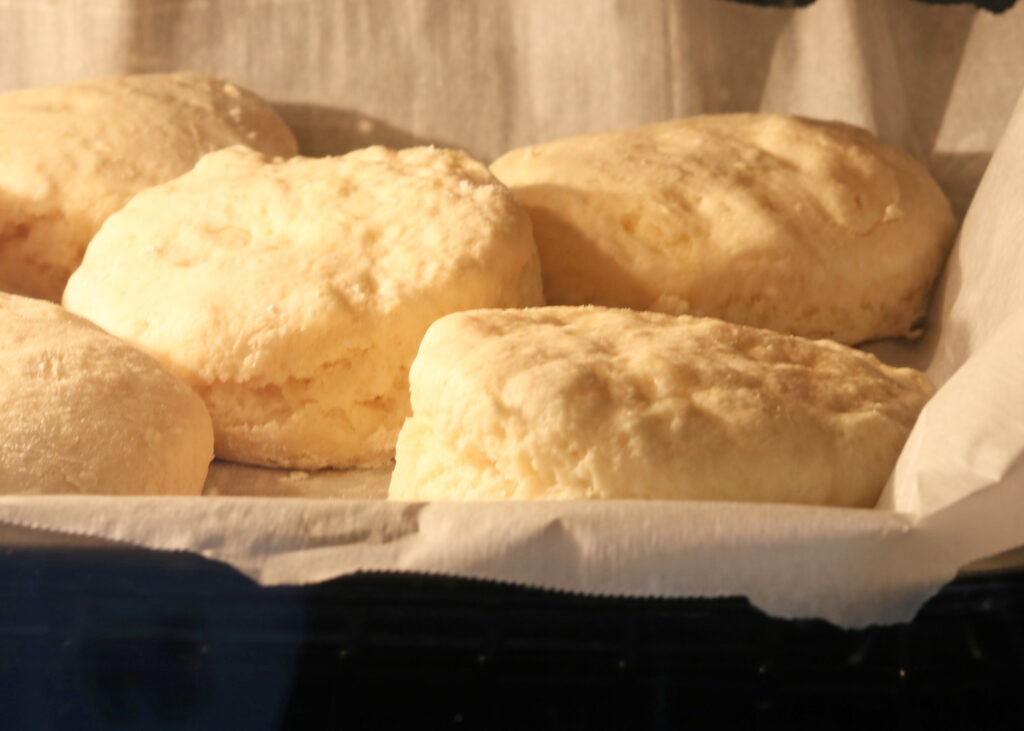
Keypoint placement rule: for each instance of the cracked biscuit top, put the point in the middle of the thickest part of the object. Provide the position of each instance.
(292, 295)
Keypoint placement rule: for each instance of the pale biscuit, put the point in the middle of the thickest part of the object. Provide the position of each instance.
(805, 227)
(83, 412)
(72, 155)
(292, 296)
(587, 402)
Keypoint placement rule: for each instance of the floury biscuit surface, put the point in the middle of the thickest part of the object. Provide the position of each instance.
(293, 295)
(83, 412)
(72, 155)
(588, 402)
(805, 227)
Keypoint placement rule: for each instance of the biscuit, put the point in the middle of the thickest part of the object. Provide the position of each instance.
(805, 227)
(72, 155)
(83, 412)
(292, 295)
(588, 403)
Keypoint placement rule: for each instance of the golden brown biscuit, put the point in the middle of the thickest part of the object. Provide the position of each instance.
(811, 228)
(293, 295)
(83, 412)
(588, 402)
(72, 155)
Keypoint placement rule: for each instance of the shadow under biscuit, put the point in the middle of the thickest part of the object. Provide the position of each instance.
(959, 175)
(322, 130)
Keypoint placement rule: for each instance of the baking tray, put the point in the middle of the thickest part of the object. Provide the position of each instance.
(127, 638)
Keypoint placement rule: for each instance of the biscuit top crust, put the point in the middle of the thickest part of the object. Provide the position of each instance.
(81, 411)
(259, 271)
(72, 155)
(589, 402)
(802, 226)
(113, 135)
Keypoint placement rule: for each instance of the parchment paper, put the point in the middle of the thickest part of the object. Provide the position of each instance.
(942, 82)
